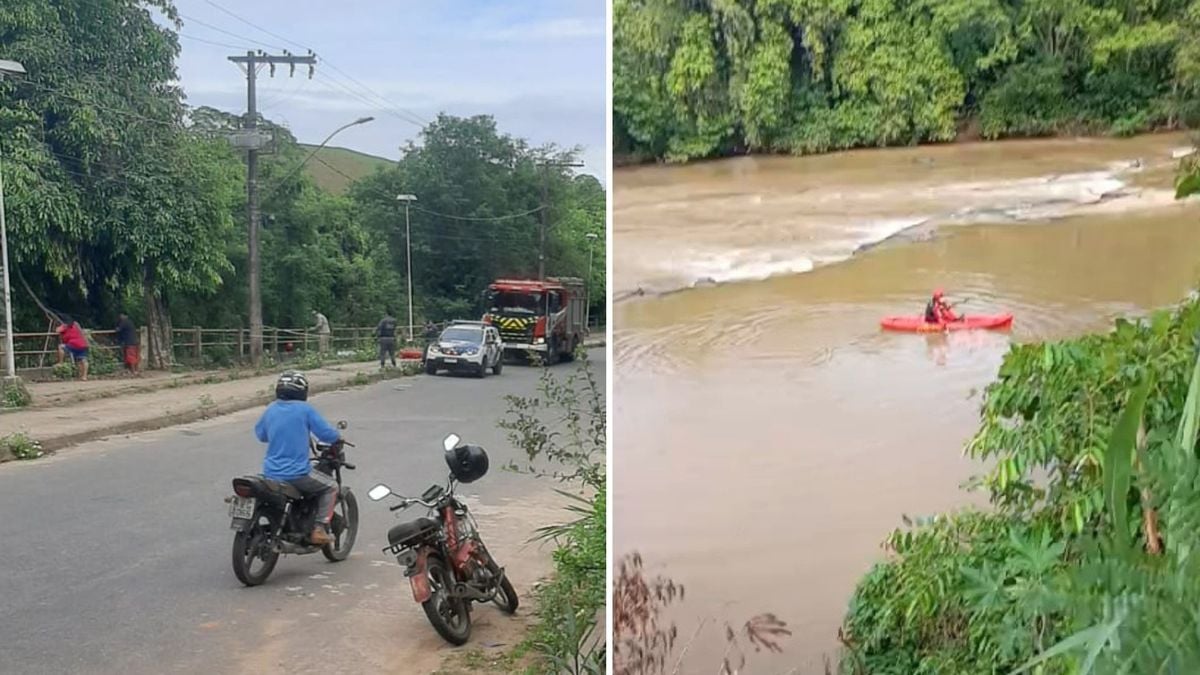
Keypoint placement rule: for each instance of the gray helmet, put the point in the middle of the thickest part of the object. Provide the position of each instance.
(292, 386)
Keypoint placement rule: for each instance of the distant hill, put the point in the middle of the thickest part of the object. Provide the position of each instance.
(349, 162)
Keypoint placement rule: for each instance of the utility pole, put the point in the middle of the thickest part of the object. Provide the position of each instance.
(253, 141)
(408, 199)
(587, 309)
(546, 207)
(10, 362)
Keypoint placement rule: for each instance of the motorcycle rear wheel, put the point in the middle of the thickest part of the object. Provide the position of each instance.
(451, 617)
(347, 508)
(246, 549)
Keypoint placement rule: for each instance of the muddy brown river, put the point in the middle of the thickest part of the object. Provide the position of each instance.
(767, 434)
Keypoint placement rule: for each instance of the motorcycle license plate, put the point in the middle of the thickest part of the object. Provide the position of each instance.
(241, 507)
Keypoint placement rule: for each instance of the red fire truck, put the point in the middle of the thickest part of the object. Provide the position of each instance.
(546, 317)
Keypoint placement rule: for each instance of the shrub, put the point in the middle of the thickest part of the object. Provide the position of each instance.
(20, 446)
(14, 394)
(564, 427)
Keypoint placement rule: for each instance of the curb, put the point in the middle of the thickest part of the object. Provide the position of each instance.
(196, 414)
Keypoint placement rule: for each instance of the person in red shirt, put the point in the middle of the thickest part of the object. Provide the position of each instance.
(938, 310)
(74, 344)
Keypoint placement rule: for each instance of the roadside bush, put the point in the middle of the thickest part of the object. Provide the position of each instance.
(219, 356)
(15, 394)
(63, 371)
(562, 431)
(20, 446)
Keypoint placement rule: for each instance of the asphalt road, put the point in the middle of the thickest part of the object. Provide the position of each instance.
(116, 555)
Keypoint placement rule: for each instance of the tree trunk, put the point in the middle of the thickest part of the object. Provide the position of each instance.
(158, 350)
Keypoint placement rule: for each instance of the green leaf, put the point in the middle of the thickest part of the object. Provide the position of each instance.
(1093, 638)
(1118, 460)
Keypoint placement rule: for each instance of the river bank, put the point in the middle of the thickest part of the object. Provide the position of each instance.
(771, 398)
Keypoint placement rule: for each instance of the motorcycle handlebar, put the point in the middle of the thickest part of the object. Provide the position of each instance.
(406, 502)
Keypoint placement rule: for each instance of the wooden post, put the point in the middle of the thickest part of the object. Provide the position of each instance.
(241, 343)
(275, 341)
(198, 340)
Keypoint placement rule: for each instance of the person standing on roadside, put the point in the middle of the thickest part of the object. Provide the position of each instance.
(322, 330)
(386, 334)
(74, 344)
(127, 338)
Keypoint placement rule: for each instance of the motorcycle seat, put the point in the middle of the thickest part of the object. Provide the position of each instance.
(264, 485)
(410, 530)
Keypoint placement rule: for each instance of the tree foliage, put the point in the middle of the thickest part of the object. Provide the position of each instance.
(121, 198)
(702, 79)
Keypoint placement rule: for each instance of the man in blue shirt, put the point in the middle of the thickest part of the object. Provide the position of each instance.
(286, 426)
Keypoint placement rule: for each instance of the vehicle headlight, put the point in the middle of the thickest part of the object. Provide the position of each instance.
(538, 341)
(433, 349)
(470, 351)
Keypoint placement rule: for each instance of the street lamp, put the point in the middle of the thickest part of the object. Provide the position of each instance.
(10, 359)
(587, 309)
(408, 199)
(361, 120)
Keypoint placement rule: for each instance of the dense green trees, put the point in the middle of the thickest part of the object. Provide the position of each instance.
(120, 197)
(712, 77)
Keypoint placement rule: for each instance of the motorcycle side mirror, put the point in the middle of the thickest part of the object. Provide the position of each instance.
(451, 442)
(379, 492)
(343, 424)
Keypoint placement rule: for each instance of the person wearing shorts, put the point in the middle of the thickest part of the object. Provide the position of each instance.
(385, 332)
(74, 344)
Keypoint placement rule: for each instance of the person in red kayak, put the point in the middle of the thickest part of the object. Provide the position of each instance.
(938, 310)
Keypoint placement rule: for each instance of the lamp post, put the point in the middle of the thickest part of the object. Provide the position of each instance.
(587, 309)
(408, 199)
(10, 359)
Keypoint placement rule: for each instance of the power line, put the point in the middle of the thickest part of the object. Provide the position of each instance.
(373, 105)
(230, 33)
(256, 26)
(210, 42)
(390, 106)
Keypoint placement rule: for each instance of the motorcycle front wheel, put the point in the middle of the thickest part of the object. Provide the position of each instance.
(346, 512)
(506, 596)
(450, 616)
(248, 547)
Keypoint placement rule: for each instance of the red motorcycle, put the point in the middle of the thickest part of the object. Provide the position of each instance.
(443, 555)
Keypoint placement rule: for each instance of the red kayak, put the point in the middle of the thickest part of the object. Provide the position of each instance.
(918, 324)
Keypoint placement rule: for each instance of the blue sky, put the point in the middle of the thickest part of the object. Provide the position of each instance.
(537, 66)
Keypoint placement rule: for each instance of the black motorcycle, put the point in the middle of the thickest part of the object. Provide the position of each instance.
(443, 555)
(272, 517)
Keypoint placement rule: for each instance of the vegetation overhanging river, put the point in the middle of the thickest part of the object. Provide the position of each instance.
(775, 434)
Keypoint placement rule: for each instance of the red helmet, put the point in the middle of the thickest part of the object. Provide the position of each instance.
(937, 295)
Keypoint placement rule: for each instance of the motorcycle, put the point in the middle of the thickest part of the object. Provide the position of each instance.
(272, 517)
(443, 556)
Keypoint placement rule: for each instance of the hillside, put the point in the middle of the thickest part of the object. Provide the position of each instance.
(349, 162)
